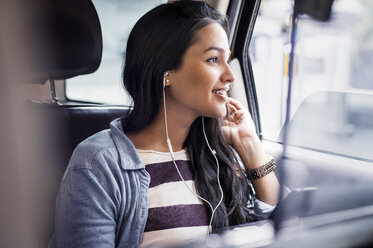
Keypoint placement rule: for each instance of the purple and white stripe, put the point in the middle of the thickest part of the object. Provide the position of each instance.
(175, 214)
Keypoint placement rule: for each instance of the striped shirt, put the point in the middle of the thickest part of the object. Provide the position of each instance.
(175, 214)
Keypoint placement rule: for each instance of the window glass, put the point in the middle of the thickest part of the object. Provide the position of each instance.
(117, 17)
(332, 96)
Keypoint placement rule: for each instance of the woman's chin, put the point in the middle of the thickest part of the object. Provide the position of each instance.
(218, 113)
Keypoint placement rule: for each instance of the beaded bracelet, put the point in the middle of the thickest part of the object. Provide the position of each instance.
(261, 171)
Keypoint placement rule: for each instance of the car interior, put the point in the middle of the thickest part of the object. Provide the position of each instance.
(66, 39)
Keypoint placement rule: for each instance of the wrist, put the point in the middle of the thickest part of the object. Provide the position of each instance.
(262, 171)
(251, 151)
(246, 142)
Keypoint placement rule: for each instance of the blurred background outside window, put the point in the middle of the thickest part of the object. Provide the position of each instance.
(332, 97)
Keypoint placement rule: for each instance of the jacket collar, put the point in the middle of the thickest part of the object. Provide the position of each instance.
(129, 158)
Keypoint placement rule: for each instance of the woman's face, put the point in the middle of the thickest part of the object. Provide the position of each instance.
(199, 86)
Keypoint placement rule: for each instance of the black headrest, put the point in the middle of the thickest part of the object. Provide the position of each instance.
(67, 39)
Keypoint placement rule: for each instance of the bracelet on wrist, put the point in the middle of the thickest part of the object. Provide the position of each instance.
(261, 171)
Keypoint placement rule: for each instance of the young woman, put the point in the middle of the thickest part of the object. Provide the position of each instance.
(177, 166)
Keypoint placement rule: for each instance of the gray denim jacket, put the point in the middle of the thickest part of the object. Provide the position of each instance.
(103, 197)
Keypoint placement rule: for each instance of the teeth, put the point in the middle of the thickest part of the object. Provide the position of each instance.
(220, 92)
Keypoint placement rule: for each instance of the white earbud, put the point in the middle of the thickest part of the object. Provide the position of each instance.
(165, 80)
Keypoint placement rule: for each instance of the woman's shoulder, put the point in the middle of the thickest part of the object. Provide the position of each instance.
(98, 145)
(110, 147)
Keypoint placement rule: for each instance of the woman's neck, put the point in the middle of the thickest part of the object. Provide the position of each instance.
(153, 137)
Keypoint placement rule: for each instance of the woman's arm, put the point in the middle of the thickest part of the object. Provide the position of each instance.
(252, 154)
(239, 129)
(85, 212)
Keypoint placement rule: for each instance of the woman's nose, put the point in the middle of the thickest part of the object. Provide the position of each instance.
(228, 76)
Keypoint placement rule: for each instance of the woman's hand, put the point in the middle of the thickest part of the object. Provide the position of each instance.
(238, 124)
(239, 130)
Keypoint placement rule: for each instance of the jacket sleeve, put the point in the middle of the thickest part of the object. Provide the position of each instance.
(262, 210)
(85, 212)
(259, 208)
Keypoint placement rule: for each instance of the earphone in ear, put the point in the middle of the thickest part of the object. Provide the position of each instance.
(164, 79)
(165, 117)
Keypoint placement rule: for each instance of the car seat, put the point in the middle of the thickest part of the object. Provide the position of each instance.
(68, 43)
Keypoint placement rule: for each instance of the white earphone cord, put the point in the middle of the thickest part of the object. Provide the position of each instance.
(213, 152)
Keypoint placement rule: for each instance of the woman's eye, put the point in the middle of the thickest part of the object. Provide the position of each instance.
(213, 60)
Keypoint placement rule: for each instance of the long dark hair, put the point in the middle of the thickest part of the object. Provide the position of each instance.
(157, 44)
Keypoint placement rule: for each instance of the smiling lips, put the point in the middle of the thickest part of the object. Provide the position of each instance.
(221, 92)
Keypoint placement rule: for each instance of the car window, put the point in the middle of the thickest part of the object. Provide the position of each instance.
(332, 96)
(117, 18)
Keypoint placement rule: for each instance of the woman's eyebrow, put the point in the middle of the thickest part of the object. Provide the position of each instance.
(219, 49)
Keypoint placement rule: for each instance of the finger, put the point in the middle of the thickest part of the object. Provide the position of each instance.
(235, 103)
(230, 120)
(225, 122)
(231, 107)
(235, 115)
(239, 114)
